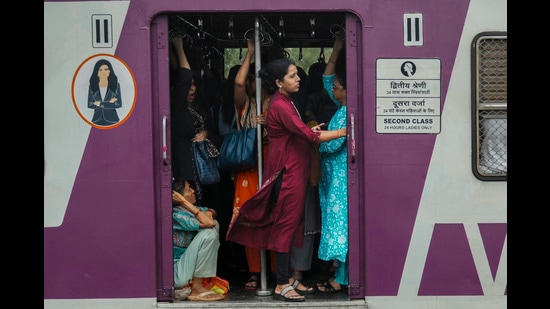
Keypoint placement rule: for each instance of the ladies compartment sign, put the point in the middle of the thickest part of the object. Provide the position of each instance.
(408, 95)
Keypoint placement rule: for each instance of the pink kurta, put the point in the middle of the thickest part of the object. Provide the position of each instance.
(278, 226)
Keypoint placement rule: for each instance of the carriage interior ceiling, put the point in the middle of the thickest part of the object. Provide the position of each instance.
(283, 30)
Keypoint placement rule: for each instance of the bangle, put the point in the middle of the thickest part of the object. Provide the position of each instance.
(331, 61)
(198, 211)
(338, 133)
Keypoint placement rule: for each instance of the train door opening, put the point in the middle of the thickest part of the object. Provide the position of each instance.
(215, 43)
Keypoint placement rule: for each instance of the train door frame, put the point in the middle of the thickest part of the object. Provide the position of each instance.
(162, 156)
(356, 228)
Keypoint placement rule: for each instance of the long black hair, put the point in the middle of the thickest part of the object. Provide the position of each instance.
(275, 69)
(228, 91)
(94, 79)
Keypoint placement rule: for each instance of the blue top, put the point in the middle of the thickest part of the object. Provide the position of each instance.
(333, 191)
(184, 228)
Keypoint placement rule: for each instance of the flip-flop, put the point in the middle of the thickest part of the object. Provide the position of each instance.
(307, 291)
(327, 287)
(203, 296)
(285, 291)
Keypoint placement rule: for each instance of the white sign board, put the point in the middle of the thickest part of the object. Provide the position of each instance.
(408, 95)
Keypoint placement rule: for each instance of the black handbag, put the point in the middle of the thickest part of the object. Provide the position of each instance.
(207, 169)
(239, 150)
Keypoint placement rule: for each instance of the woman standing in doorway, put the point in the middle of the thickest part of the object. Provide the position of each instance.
(333, 191)
(191, 121)
(273, 218)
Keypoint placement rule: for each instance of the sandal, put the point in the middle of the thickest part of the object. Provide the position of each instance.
(307, 291)
(327, 287)
(281, 296)
(252, 283)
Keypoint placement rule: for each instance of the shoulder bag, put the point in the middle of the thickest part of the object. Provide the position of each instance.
(239, 150)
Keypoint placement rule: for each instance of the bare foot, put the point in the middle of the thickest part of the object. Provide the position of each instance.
(335, 284)
(198, 290)
(252, 282)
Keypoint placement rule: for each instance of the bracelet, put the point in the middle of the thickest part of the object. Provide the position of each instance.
(338, 133)
(198, 211)
(331, 61)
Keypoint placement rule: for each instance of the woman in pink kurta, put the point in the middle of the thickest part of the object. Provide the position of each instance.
(273, 218)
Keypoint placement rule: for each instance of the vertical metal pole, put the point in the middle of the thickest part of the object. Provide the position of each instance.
(262, 291)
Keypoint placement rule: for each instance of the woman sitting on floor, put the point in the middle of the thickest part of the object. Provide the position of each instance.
(195, 234)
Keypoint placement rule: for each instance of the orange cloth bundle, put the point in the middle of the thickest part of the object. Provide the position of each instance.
(216, 284)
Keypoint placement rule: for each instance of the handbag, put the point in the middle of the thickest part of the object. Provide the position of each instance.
(207, 169)
(239, 150)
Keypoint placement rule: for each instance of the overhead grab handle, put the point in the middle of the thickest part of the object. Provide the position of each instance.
(230, 33)
(312, 26)
(321, 58)
(281, 28)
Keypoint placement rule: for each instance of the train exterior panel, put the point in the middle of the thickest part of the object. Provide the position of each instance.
(424, 231)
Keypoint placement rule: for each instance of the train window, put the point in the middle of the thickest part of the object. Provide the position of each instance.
(489, 106)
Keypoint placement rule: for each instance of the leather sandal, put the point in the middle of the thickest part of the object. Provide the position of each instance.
(307, 291)
(294, 298)
(327, 287)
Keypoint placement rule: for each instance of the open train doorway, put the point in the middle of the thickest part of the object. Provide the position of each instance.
(216, 44)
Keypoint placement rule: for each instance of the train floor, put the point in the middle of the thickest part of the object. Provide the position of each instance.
(232, 268)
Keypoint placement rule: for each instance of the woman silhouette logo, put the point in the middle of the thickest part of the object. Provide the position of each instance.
(104, 91)
(408, 68)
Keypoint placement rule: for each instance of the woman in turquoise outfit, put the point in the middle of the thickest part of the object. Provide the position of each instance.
(333, 191)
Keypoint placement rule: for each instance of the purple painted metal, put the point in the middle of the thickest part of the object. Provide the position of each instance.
(113, 244)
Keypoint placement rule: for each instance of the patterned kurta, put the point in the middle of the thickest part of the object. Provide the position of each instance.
(195, 249)
(333, 191)
(184, 228)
